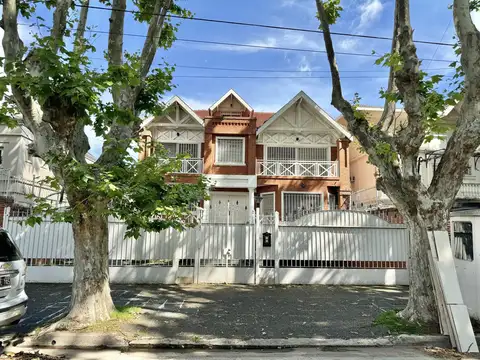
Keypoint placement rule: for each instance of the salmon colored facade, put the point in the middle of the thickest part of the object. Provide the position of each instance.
(294, 161)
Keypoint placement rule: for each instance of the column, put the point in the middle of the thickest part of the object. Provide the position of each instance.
(251, 203)
(206, 206)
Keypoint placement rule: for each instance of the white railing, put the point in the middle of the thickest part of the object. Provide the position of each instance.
(191, 166)
(297, 168)
(370, 197)
(469, 191)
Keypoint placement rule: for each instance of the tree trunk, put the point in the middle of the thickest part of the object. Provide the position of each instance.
(421, 304)
(91, 298)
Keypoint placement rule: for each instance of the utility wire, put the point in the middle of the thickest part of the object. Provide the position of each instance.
(253, 46)
(279, 77)
(283, 70)
(265, 26)
(436, 49)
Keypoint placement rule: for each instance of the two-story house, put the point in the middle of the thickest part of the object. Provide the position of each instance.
(294, 161)
(21, 173)
(363, 174)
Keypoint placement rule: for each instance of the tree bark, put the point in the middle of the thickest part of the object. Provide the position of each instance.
(91, 298)
(421, 304)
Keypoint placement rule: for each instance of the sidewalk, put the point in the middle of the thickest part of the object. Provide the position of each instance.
(291, 354)
(234, 311)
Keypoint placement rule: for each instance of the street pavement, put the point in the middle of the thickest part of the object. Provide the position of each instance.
(233, 311)
(391, 353)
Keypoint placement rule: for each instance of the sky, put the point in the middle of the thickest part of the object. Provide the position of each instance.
(431, 20)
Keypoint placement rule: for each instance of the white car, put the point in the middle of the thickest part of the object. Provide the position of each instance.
(13, 269)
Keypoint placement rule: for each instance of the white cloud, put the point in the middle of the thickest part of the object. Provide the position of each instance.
(370, 10)
(197, 104)
(304, 65)
(347, 44)
(285, 39)
(476, 18)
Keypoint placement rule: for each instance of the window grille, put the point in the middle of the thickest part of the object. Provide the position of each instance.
(230, 151)
(296, 205)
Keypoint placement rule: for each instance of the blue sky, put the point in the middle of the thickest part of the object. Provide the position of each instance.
(431, 20)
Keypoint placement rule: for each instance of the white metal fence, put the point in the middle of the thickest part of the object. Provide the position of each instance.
(338, 247)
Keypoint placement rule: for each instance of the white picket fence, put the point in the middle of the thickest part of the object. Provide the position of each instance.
(338, 247)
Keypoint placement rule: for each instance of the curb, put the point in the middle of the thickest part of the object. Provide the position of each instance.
(93, 341)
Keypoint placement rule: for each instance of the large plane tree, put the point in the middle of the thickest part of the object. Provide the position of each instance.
(56, 89)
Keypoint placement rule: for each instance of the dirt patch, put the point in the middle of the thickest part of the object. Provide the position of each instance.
(29, 356)
(441, 353)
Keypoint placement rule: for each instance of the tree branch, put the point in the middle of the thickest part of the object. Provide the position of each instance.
(153, 36)
(388, 115)
(368, 137)
(410, 138)
(115, 37)
(11, 41)
(82, 24)
(60, 21)
(448, 177)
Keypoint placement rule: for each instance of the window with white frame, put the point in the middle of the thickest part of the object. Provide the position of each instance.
(295, 205)
(230, 151)
(1, 155)
(297, 153)
(174, 149)
(462, 244)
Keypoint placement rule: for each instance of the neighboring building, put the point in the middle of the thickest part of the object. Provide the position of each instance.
(363, 174)
(21, 173)
(294, 160)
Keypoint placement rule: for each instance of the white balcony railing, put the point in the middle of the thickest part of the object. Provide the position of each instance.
(297, 168)
(191, 166)
(469, 191)
(370, 197)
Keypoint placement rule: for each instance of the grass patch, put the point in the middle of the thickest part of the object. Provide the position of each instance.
(122, 315)
(126, 312)
(396, 325)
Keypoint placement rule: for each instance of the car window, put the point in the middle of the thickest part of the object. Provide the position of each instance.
(8, 250)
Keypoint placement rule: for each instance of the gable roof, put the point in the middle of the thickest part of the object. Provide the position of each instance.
(302, 95)
(228, 93)
(183, 104)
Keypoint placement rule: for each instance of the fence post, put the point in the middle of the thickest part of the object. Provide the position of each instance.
(198, 239)
(6, 214)
(258, 247)
(277, 244)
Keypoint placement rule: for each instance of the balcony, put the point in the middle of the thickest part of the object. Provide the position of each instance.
(326, 169)
(191, 166)
(469, 191)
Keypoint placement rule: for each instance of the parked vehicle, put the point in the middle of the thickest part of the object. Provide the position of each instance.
(13, 269)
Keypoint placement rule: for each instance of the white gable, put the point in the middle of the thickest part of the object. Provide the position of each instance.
(302, 115)
(177, 115)
(234, 100)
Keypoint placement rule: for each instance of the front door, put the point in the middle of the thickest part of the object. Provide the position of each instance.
(229, 207)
